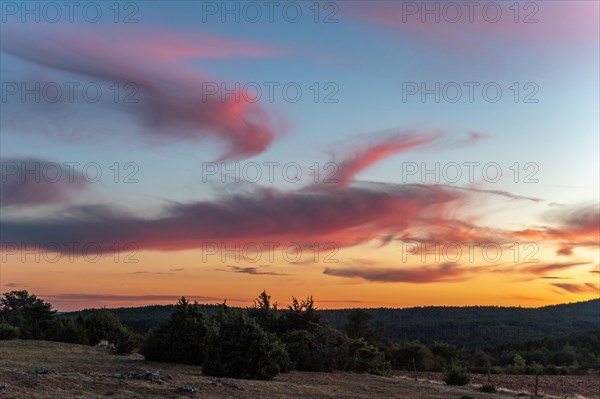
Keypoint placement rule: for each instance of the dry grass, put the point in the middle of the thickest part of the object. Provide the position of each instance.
(83, 372)
(550, 386)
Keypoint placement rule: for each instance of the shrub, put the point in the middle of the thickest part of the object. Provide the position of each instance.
(124, 341)
(103, 324)
(367, 358)
(488, 387)
(66, 329)
(183, 338)
(358, 325)
(443, 355)
(239, 348)
(457, 376)
(320, 348)
(301, 315)
(8, 332)
(266, 314)
(422, 356)
(31, 315)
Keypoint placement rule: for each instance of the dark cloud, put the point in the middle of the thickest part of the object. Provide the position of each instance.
(578, 288)
(424, 274)
(142, 272)
(33, 181)
(79, 297)
(573, 227)
(342, 215)
(252, 270)
(542, 269)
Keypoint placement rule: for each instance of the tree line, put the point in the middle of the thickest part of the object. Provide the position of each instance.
(262, 341)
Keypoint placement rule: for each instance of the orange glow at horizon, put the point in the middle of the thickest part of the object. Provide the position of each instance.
(161, 278)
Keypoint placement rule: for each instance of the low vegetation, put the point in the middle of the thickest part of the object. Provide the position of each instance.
(27, 317)
(457, 376)
(488, 387)
(263, 341)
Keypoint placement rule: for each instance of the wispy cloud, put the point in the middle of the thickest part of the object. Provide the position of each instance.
(345, 215)
(251, 270)
(418, 275)
(584, 288)
(382, 146)
(143, 272)
(80, 297)
(32, 181)
(460, 30)
(174, 104)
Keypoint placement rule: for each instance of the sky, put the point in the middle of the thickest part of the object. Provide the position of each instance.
(367, 153)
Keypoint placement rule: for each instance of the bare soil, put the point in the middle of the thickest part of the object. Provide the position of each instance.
(38, 369)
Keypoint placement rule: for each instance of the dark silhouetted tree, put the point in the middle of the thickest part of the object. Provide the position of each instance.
(31, 315)
(182, 338)
(240, 348)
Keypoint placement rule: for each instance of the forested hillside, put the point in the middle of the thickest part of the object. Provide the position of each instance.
(467, 327)
(479, 326)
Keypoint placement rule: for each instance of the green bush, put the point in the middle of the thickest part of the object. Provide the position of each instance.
(8, 332)
(182, 339)
(240, 348)
(103, 324)
(31, 315)
(457, 376)
(266, 314)
(488, 387)
(320, 348)
(367, 358)
(421, 354)
(69, 330)
(125, 341)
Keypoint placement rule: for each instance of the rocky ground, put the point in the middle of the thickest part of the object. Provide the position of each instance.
(38, 369)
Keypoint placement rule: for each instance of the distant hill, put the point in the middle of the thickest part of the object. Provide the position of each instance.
(480, 326)
(467, 327)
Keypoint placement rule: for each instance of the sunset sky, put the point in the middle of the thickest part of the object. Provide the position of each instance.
(362, 152)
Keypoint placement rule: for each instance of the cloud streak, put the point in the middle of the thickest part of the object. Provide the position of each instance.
(345, 216)
(585, 288)
(426, 274)
(252, 270)
(457, 27)
(27, 182)
(385, 145)
(174, 104)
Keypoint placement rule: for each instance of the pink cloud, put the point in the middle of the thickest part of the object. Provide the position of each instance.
(382, 146)
(29, 182)
(174, 103)
(344, 214)
(440, 24)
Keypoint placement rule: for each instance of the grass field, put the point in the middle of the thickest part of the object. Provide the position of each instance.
(39, 369)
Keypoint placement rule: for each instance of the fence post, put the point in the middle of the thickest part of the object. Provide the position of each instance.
(415, 368)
